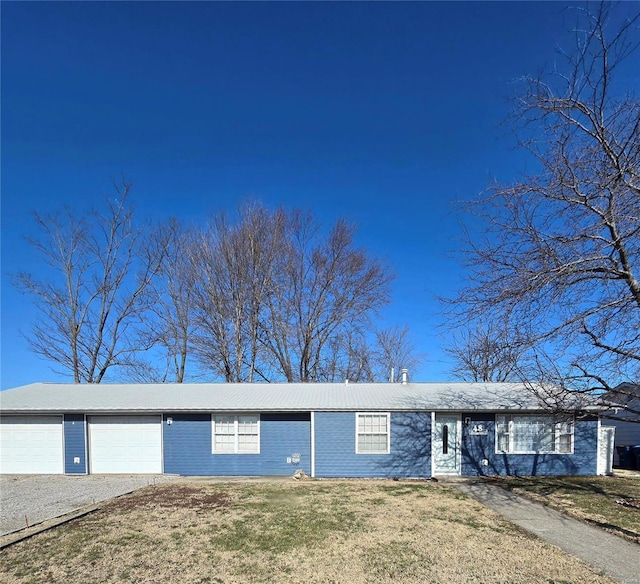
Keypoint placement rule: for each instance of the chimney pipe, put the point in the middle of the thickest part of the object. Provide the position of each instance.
(404, 373)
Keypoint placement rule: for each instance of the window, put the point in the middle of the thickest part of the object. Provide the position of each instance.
(236, 434)
(533, 434)
(372, 434)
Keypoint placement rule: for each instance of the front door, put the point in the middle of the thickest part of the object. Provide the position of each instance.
(446, 444)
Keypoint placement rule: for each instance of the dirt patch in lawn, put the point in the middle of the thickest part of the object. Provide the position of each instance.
(178, 496)
(313, 531)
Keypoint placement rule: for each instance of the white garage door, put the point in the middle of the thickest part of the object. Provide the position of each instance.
(125, 444)
(31, 445)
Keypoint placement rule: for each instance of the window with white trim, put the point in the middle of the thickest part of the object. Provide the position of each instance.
(372, 433)
(237, 434)
(527, 434)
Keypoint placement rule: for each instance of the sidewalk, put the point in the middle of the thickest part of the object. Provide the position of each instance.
(616, 557)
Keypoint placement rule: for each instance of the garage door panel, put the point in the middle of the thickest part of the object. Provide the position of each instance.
(31, 445)
(125, 444)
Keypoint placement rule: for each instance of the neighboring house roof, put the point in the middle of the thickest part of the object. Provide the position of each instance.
(266, 397)
(622, 402)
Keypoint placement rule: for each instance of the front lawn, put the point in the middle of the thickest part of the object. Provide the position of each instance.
(612, 503)
(312, 531)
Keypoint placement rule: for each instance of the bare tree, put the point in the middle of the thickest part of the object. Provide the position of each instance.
(276, 299)
(347, 357)
(361, 355)
(101, 266)
(173, 327)
(236, 266)
(328, 286)
(219, 309)
(484, 353)
(267, 296)
(394, 351)
(561, 252)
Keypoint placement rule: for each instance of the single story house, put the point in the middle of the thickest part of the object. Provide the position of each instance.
(324, 429)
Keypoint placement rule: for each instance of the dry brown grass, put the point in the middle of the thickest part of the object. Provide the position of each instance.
(312, 531)
(611, 503)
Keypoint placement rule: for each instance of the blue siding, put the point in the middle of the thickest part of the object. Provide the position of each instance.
(75, 444)
(583, 461)
(187, 447)
(335, 446)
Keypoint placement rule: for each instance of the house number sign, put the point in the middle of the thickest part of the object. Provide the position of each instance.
(478, 429)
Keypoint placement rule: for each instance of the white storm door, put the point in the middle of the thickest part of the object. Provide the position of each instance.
(31, 445)
(125, 444)
(446, 444)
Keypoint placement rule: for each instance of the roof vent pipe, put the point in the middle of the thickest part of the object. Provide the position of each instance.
(404, 375)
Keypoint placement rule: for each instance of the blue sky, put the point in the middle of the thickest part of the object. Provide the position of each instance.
(381, 113)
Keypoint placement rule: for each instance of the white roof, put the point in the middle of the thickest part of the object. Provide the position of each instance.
(267, 397)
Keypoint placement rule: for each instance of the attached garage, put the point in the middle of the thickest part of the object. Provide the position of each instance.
(31, 445)
(125, 444)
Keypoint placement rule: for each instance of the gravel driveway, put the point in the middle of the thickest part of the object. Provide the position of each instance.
(43, 497)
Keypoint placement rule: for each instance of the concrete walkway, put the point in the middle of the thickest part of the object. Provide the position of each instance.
(616, 557)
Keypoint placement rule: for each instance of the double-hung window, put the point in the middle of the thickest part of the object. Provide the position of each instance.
(372, 433)
(527, 434)
(238, 434)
